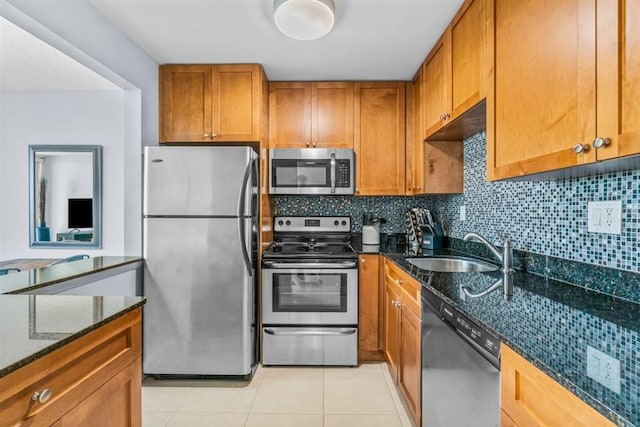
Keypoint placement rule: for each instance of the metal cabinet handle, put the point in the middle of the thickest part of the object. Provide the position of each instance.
(362, 260)
(213, 135)
(581, 148)
(601, 142)
(398, 282)
(206, 135)
(314, 144)
(307, 144)
(41, 396)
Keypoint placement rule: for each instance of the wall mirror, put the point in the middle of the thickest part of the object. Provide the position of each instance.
(65, 196)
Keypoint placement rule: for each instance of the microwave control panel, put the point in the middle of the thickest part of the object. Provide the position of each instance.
(343, 173)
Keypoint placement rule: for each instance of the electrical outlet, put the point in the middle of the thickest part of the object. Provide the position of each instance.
(605, 217)
(604, 369)
(463, 213)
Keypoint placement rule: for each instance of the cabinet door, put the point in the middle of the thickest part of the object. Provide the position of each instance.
(379, 138)
(117, 403)
(368, 307)
(391, 327)
(185, 103)
(289, 115)
(618, 77)
(332, 114)
(415, 136)
(529, 397)
(437, 100)
(467, 40)
(236, 103)
(542, 102)
(409, 363)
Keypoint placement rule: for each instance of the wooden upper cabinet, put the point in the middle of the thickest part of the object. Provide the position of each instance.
(332, 114)
(379, 138)
(468, 49)
(414, 138)
(543, 100)
(432, 167)
(455, 73)
(289, 115)
(211, 103)
(437, 101)
(185, 102)
(311, 114)
(618, 78)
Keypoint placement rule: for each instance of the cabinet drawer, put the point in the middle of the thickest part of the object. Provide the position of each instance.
(531, 398)
(70, 373)
(408, 288)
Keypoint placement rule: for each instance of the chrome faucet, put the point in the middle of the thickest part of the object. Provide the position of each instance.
(506, 257)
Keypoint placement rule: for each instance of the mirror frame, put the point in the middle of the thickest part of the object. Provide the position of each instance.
(96, 151)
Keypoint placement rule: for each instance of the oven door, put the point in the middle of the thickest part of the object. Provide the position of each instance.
(310, 293)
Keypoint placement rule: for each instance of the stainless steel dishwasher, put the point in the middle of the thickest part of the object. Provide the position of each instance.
(460, 369)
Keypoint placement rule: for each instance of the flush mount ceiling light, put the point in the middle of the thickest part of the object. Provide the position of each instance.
(304, 19)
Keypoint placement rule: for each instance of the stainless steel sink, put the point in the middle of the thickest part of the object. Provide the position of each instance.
(452, 264)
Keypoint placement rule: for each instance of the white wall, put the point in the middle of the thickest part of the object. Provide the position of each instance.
(77, 29)
(80, 118)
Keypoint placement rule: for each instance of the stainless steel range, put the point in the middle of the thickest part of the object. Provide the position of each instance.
(310, 293)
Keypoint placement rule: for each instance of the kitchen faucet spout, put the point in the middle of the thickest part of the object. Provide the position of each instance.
(506, 258)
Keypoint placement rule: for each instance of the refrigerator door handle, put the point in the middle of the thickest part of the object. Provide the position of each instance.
(245, 254)
(248, 173)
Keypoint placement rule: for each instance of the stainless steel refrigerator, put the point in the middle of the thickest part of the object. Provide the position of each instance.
(200, 248)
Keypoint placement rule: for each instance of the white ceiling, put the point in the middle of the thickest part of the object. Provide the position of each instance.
(28, 63)
(371, 39)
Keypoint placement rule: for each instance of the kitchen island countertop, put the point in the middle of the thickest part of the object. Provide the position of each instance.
(31, 280)
(32, 326)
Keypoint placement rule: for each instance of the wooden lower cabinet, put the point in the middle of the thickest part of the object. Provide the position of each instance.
(369, 298)
(410, 372)
(94, 380)
(402, 343)
(529, 397)
(115, 404)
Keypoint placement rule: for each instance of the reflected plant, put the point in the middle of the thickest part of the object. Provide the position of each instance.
(42, 200)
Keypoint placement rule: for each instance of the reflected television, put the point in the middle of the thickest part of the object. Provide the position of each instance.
(80, 213)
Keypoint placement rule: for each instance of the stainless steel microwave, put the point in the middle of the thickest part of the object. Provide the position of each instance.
(314, 171)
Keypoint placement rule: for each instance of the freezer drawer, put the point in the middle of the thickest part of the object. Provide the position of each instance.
(310, 346)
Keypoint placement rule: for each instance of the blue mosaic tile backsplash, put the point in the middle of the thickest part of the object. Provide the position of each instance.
(545, 217)
(390, 208)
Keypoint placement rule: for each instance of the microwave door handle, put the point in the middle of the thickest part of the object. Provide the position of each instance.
(333, 172)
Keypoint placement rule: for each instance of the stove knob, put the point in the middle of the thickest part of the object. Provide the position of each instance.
(344, 222)
(288, 222)
(336, 222)
(280, 222)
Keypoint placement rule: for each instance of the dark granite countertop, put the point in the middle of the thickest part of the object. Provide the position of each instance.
(550, 323)
(29, 280)
(32, 326)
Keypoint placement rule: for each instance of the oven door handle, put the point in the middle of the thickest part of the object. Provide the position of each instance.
(310, 265)
(303, 332)
(333, 172)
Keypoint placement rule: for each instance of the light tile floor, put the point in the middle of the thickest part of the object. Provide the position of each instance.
(282, 397)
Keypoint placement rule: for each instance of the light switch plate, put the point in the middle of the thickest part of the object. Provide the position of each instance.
(603, 368)
(463, 213)
(605, 217)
